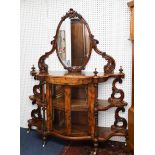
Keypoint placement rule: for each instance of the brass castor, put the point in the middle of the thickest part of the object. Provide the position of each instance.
(28, 130)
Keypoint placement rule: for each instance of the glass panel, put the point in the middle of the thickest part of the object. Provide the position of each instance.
(79, 114)
(79, 122)
(58, 109)
(79, 109)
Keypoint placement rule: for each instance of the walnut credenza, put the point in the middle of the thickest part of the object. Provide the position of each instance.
(67, 101)
(45, 122)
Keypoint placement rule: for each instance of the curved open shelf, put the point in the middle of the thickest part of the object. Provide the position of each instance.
(104, 105)
(106, 133)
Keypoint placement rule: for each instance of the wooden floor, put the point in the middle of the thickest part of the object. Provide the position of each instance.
(85, 148)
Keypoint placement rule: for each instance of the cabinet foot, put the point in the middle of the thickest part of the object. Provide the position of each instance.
(29, 127)
(28, 130)
(126, 138)
(44, 138)
(43, 144)
(95, 147)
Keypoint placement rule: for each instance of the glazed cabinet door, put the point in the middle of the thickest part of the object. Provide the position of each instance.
(70, 113)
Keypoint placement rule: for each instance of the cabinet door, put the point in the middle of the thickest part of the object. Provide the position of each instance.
(70, 111)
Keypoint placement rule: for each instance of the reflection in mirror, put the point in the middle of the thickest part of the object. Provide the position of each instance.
(64, 38)
(73, 42)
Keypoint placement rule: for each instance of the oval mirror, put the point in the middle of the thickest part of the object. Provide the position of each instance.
(73, 42)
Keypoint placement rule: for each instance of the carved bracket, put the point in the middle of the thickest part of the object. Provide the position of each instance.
(110, 66)
(37, 90)
(36, 112)
(119, 119)
(115, 91)
(117, 101)
(43, 68)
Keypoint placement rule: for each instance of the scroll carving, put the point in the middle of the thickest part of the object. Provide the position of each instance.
(37, 93)
(36, 98)
(37, 88)
(120, 105)
(119, 119)
(36, 112)
(110, 66)
(43, 67)
(115, 91)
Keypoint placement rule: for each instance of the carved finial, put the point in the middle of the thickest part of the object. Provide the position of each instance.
(70, 9)
(121, 70)
(95, 72)
(33, 68)
(33, 72)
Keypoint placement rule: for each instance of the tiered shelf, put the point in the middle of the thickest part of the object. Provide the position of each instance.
(106, 132)
(104, 105)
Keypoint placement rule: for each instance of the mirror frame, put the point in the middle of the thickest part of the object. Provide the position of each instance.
(71, 14)
(108, 68)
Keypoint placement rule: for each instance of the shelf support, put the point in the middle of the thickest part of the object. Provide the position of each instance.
(35, 113)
